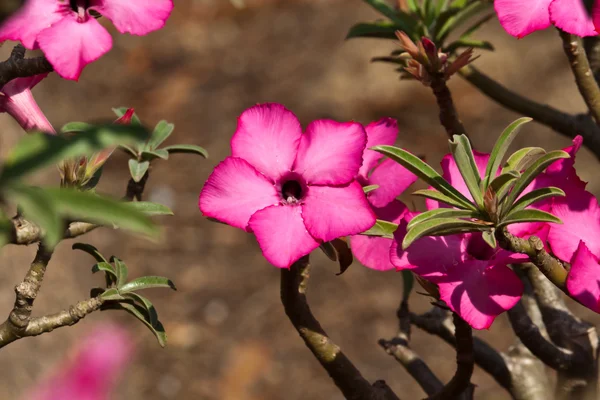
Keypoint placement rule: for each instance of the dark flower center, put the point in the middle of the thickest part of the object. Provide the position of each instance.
(291, 191)
(478, 248)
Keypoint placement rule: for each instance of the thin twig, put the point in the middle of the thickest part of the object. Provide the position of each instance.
(345, 375)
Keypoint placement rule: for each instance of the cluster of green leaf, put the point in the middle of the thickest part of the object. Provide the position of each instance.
(145, 152)
(497, 200)
(121, 294)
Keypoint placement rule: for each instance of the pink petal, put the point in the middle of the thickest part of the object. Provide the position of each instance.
(138, 17)
(267, 136)
(571, 17)
(92, 371)
(380, 132)
(330, 152)
(520, 18)
(392, 179)
(479, 292)
(580, 215)
(374, 252)
(281, 234)
(333, 212)
(30, 20)
(125, 119)
(234, 191)
(583, 281)
(70, 45)
(20, 104)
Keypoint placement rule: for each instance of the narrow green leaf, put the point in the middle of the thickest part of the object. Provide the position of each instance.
(504, 179)
(413, 5)
(75, 127)
(528, 215)
(129, 150)
(91, 250)
(138, 169)
(120, 111)
(109, 272)
(465, 161)
(140, 313)
(149, 208)
(534, 196)
(377, 29)
(404, 21)
(530, 173)
(39, 207)
(147, 282)
(111, 294)
(147, 304)
(186, 148)
(500, 149)
(459, 18)
(418, 167)
(490, 238)
(478, 24)
(382, 228)
(442, 213)
(466, 43)
(435, 195)
(161, 132)
(369, 188)
(439, 226)
(90, 207)
(122, 272)
(150, 155)
(408, 281)
(522, 159)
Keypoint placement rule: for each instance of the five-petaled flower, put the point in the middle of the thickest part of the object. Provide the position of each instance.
(293, 190)
(520, 18)
(69, 34)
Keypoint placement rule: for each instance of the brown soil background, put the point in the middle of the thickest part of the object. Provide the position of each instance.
(229, 338)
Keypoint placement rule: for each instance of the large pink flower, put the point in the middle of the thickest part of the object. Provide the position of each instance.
(16, 99)
(71, 37)
(293, 190)
(520, 18)
(473, 279)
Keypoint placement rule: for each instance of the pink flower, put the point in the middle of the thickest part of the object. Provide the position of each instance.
(92, 371)
(473, 279)
(293, 190)
(71, 37)
(17, 100)
(583, 281)
(520, 18)
(392, 179)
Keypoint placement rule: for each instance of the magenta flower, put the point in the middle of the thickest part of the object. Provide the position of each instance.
(71, 37)
(17, 100)
(520, 18)
(293, 190)
(90, 374)
(473, 279)
(392, 179)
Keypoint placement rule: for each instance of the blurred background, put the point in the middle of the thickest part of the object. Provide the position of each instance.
(229, 338)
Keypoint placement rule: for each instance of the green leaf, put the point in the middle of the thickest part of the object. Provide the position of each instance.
(500, 149)
(90, 207)
(142, 314)
(404, 21)
(147, 282)
(531, 172)
(534, 196)
(75, 127)
(150, 208)
(161, 132)
(147, 304)
(130, 150)
(122, 272)
(465, 161)
(462, 43)
(435, 195)
(120, 111)
(408, 281)
(490, 238)
(39, 207)
(442, 213)
(459, 18)
(138, 169)
(111, 294)
(528, 215)
(522, 159)
(109, 272)
(38, 150)
(502, 180)
(186, 148)
(440, 226)
(150, 155)
(471, 29)
(413, 5)
(369, 188)
(418, 167)
(382, 228)
(377, 29)
(91, 250)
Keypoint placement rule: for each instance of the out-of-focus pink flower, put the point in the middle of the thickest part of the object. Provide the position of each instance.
(473, 279)
(520, 18)
(92, 371)
(17, 100)
(71, 37)
(293, 190)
